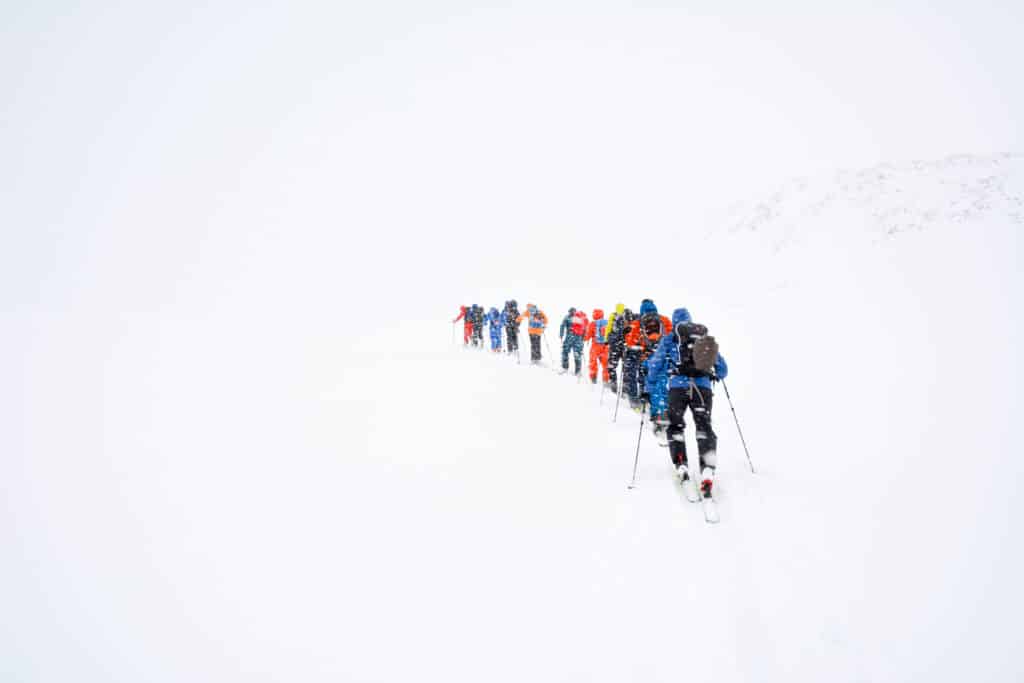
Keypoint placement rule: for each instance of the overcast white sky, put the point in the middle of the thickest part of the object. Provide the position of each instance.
(220, 157)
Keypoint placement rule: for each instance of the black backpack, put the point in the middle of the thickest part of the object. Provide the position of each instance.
(698, 351)
(650, 328)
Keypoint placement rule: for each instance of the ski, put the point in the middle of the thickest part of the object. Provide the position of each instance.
(689, 488)
(690, 491)
(710, 509)
(661, 435)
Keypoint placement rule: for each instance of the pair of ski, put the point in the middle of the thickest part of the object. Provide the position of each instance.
(693, 495)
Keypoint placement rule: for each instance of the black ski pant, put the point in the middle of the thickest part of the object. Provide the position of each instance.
(630, 374)
(614, 356)
(512, 339)
(698, 400)
(478, 335)
(535, 347)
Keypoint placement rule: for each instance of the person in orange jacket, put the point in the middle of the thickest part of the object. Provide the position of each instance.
(642, 337)
(536, 322)
(467, 326)
(596, 335)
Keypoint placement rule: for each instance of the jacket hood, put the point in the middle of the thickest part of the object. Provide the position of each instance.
(494, 311)
(620, 309)
(680, 315)
(598, 314)
(572, 311)
(531, 307)
(647, 306)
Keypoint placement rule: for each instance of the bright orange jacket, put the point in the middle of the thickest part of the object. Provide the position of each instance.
(645, 343)
(535, 318)
(592, 327)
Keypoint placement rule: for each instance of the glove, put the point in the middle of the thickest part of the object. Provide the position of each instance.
(645, 397)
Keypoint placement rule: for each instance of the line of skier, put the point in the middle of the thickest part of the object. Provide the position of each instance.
(668, 366)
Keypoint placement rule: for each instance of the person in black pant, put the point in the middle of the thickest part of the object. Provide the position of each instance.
(616, 342)
(536, 321)
(509, 318)
(674, 364)
(478, 325)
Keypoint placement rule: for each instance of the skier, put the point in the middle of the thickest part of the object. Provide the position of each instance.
(510, 318)
(642, 336)
(467, 326)
(615, 334)
(595, 334)
(478, 325)
(571, 332)
(536, 322)
(653, 327)
(494, 326)
(687, 360)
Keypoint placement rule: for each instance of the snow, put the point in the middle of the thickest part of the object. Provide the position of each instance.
(239, 440)
(182, 505)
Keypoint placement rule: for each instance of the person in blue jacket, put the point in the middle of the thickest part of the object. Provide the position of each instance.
(672, 365)
(494, 327)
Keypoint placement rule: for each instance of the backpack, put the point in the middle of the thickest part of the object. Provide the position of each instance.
(618, 330)
(697, 351)
(650, 328)
(599, 328)
(578, 325)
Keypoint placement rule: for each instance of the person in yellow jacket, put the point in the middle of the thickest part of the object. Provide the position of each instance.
(615, 334)
(536, 322)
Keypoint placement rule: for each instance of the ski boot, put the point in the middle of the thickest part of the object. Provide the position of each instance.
(686, 481)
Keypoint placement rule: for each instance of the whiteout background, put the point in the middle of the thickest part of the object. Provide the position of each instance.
(238, 446)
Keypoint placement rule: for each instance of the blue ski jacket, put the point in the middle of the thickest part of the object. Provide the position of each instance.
(667, 354)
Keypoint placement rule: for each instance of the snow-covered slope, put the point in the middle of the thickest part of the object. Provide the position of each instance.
(214, 503)
(891, 198)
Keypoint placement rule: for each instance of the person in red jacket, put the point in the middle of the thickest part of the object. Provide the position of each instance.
(572, 330)
(596, 335)
(467, 327)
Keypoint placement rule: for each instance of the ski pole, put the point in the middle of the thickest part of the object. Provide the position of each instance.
(742, 440)
(636, 460)
(579, 369)
(618, 398)
(544, 335)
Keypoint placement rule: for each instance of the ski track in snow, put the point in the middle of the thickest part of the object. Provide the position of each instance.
(708, 601)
